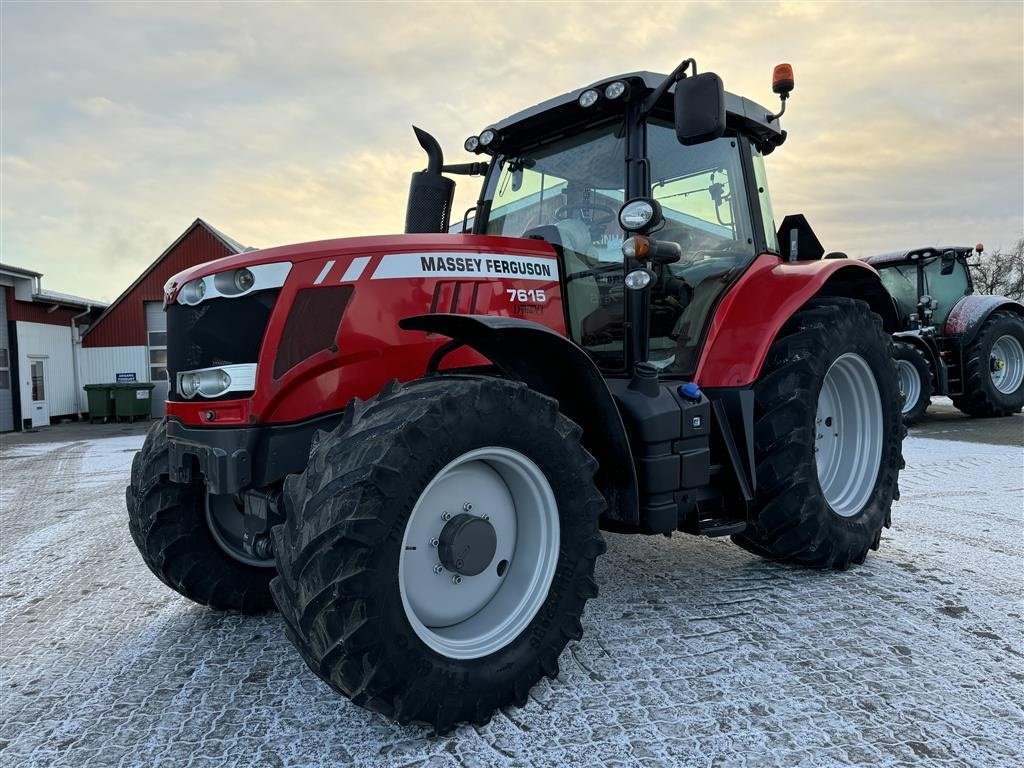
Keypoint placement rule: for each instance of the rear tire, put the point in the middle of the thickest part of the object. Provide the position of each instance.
(994, 368)
(349, 540)
(830, 366)
(168, 522)
(915, 381)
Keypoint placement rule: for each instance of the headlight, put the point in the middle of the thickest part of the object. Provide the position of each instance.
(638, 279)
(188, 385)
(244, 280)
(639, 215)
(487, 137)
(193, 291)
(614, 90)
(472, 144)
(208, 383)
(589, 98)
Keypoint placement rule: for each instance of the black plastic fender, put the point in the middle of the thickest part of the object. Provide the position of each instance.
(971, 312)
(553, 365)
(926, 343)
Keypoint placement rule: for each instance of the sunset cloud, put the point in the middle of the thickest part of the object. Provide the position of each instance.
(283, 123)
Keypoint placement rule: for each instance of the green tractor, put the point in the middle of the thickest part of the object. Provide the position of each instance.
(951, 340)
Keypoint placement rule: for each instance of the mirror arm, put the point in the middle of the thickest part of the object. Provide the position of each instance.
(466, 169)
(677, 74)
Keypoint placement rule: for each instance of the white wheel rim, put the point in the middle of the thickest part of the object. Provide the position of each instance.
(848, 434)
(910, 384)
(1007, 364)
(482, 613)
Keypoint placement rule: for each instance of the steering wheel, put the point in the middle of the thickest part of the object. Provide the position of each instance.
(565, 211)
(594, 272)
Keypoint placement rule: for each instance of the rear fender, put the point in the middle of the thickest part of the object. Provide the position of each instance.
(751, 314)
(971, 312)
(549, 363)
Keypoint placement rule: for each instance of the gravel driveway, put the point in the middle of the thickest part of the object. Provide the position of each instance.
(695, 653)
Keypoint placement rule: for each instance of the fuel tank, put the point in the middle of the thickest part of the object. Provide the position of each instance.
(319, 323)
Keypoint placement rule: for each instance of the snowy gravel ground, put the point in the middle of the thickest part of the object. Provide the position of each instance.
(696, 653)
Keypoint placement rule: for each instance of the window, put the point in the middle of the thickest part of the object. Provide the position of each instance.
(157, 355)
(901, 283)
(767, 215)
(5, 369)
(38, 389)
(703, 198)
(569, 192)
(947, 289)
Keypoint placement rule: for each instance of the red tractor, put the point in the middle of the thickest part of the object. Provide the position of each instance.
(409, 444)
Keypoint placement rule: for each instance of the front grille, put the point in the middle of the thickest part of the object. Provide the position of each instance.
(216, 332)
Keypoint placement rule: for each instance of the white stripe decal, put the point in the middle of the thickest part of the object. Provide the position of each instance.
(323, 272)
(355, 269)
(456, 264)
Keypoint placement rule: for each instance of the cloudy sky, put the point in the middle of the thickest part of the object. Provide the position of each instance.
(282, 122)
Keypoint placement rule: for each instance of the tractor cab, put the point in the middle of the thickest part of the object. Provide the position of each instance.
(562, 170)
(926, 283)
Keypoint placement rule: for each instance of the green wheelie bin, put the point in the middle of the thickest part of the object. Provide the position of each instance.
(132, 401)
(101, 403)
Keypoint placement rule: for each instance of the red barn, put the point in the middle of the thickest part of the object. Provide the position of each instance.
(130, 336)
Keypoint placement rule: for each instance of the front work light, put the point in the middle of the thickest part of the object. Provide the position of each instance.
(487, 137)
(614, 90)
(472, 144)
(589, 98)
(638, 279)
(193, 291)
(244, 280)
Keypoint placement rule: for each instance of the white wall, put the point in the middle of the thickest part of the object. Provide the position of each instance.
(54, 343)
(100, 365)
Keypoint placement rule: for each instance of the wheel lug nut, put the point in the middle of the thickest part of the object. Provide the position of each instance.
(446, 515)
(433, 542)
(438, 568)
(467, 507)
(456, 579)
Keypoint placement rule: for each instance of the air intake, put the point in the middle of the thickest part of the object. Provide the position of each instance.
(312, 325)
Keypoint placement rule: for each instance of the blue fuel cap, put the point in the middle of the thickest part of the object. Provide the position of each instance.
(690, 390)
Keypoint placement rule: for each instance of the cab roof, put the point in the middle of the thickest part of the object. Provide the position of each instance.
(742, 114)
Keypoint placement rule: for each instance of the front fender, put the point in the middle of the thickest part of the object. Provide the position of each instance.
(550, 363)
(751, 314)
(971, 312)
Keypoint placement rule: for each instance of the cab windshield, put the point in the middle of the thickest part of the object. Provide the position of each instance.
(569, 193)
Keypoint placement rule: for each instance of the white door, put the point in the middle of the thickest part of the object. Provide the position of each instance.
(156, 340)
(40, 408)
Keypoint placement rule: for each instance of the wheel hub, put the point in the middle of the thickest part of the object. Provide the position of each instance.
(1006, 364)
(467, 544)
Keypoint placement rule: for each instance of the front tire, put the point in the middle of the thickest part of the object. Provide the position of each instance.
(170, 524)
(915, 381)
(994, 368)
(827, 438)
(382, 585)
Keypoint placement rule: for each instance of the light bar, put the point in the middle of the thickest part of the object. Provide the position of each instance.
(231, 283)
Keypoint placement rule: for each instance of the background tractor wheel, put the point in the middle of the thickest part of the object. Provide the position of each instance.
(915, 380)
(173, 527)
(994, 368)
(827, 438)
(439, 548)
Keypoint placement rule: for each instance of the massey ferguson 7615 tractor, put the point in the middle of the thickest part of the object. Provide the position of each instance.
(952, 341)
(410, 443)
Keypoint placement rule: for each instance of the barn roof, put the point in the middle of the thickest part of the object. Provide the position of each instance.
(230, 243)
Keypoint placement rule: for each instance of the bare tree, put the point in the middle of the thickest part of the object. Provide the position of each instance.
(1001, 272)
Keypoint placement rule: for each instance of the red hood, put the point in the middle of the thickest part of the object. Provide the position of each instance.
(352, 245)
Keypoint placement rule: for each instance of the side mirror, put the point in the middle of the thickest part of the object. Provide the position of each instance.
(699, 108)
(948, 263)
